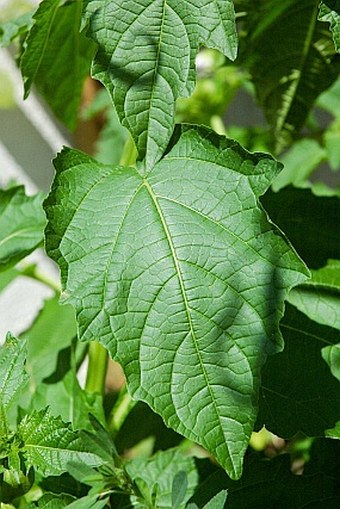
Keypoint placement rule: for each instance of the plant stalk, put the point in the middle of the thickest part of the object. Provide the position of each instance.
(120, 411)
(97, 367)
(33, 272)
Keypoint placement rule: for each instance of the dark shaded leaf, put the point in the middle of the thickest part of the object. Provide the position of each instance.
(309, 221)
(293, 399)
(292, 59)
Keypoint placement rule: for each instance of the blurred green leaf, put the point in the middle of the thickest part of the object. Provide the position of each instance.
(51, 501)
(14, 28)
(179, 489)
(110, 143)
(332, 144)
(22, 222)
(67, 399)
(89, 502)
(330, 99)
(299, 163)
(52, 331)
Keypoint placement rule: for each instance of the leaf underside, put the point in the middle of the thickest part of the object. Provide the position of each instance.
(146, 58)
(182, 278)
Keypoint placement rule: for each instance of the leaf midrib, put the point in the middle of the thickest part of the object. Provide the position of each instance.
(187, 309)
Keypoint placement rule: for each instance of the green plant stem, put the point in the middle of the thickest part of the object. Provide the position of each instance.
(33, 272)
(98, 358)
(120, 411)
(97, 367)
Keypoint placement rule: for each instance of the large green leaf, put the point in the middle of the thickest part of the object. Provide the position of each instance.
(57, 57)
(49, 444)
(311, 222)
(330, 12)
(300, 400)
(319, 298)
(155, 478)
(146, 58)
(292, 59)
(180, 275)
(22, 222)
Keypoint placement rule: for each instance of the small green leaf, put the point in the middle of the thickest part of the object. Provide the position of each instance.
(331, 354)
(319, 297)
(22, 222)
(179, 489)
(330, 12)
(146, 58)
(186, 252)
(157, 476)
(14, 28)
(12, 369)
(218, 501)
(299, 163)
(49, 444)
(300, 400)
(89, 502)
(57, 57)
(51, 501)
